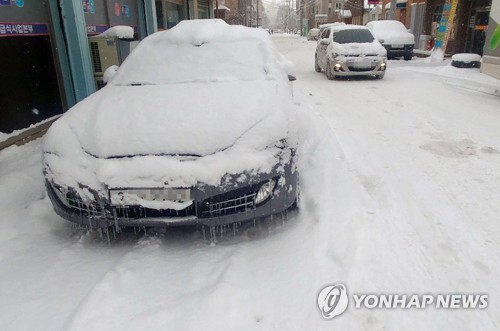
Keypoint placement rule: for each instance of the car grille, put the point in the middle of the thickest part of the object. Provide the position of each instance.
(226, 204)
(232, 202)
(357, 69)
(135, 212)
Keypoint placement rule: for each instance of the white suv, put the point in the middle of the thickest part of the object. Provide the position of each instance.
(350, 50)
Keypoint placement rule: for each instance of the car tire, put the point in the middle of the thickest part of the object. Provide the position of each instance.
(316, 65)
(408, 57)
(328, 71)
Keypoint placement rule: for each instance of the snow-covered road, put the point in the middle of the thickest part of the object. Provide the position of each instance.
(400, 194)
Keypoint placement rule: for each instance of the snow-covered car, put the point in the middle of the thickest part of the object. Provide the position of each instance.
(196, 127)
(325, 26)
(350, 50)
(394, 37)
(313, 34)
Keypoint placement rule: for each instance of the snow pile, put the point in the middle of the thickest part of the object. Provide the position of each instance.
(466, 57)
(437, 55)
(5, 136)
(118, 31)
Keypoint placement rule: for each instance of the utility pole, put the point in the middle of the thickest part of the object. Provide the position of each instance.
(257, 13)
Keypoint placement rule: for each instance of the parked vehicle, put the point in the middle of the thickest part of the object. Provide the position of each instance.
(140, 152)
(313, 34)
(323, 27)
(394, 37)
(350, 50)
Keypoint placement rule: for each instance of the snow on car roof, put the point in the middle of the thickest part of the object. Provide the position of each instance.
(201, 50)
(387, 26)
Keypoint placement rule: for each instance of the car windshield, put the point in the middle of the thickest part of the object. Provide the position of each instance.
(353, 36)
(162, 62)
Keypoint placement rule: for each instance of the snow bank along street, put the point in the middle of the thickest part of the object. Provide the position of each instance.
(400, 195)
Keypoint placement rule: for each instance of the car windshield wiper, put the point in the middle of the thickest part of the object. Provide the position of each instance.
(138, 84)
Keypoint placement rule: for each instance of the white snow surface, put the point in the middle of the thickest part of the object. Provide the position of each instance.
(399, 194)
(119, 31)
(5, 136)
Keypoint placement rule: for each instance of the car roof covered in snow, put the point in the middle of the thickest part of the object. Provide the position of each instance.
(201, 50)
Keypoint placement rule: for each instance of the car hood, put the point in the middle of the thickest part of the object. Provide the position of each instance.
(359, 48)
(392, 38)
(193, 119)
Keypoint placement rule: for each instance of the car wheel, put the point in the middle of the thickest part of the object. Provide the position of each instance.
(316, 65)
(328, 71)
(408, 57)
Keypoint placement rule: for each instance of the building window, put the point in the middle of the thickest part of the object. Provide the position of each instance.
(169, 13)
(337, 6)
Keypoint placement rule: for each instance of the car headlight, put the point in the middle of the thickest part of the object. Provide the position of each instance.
(265, 191)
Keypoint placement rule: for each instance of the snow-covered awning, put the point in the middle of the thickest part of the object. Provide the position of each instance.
(345, 13)
(222, 7)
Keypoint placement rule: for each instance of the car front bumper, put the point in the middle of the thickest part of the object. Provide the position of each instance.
(397, 52)
(212, 205)
(346, 66)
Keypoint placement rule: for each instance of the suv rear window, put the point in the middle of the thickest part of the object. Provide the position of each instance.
(353, 36)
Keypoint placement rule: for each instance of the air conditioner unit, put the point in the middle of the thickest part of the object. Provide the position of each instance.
(105, 52)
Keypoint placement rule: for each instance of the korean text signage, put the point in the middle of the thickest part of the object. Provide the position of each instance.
(19, 3)
(23, 29)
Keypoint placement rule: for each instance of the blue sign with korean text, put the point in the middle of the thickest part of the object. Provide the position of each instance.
(23, 29)
(5, 2)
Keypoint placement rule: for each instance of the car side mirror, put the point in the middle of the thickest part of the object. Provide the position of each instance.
(381, 40)
(291, 78)
(109, 73)
(324, 41)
